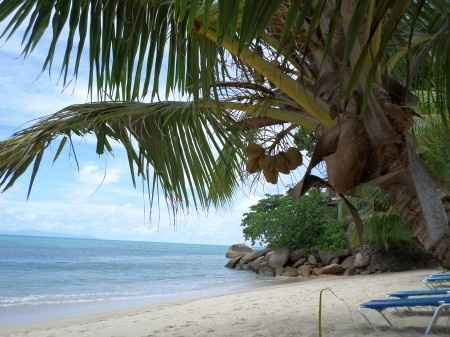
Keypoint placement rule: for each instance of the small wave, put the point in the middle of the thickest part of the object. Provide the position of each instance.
(43, 299)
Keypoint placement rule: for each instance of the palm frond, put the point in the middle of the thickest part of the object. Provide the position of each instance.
(182, 149)
(131, 44)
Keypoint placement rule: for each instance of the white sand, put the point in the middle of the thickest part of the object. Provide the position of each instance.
(286, 310)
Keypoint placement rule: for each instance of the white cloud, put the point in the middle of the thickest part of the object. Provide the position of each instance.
(92, 175)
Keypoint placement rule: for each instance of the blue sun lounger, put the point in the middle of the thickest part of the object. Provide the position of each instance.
(437, 280)
(420, 292)
(439, 303)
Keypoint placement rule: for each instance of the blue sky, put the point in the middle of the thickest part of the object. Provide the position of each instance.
(66, 200)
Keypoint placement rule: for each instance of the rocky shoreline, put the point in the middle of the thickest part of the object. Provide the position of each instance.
(304, 263)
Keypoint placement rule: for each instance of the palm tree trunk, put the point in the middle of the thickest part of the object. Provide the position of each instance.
(422, 203)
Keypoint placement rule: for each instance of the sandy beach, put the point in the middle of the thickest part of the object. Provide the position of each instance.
(275, 311)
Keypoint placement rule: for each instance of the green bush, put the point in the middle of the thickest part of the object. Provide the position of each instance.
(280, 221)
(433, 144)
(387, 230)
(383, 226)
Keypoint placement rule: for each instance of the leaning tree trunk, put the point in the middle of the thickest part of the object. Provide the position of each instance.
(374, 145)
(422, 203)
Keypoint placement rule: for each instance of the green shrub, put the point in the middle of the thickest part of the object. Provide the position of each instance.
(280, 221)
(387, 230)
(433, 144)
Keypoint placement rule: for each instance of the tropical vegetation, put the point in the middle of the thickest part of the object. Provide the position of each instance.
(308, 223)
(316, 222)
(352, 74)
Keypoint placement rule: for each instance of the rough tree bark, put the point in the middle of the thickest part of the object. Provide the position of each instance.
(422, 203)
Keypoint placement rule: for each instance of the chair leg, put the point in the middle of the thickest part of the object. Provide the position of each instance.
(385, 318)
(367, 319)
(436, 315)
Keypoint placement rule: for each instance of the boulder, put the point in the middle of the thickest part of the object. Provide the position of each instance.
(238, 249)
(361, 260)
(335, 260)
(290, 272)
(326, 256)
(350, 271)
(233, 262)
(256, 264)
(305, 270)
(332, 269)
(343, 253)
(299, 262)
(278, 258)
(297, 255)
(266, 270)
(242, 266)
(255, 254)
(312, 260)
(348, 262)
(279, 271)
(316, 271)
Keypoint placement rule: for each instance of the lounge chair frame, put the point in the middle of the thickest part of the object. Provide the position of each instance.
(436, 314)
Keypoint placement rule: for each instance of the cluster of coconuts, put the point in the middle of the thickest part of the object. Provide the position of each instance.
(271, 166)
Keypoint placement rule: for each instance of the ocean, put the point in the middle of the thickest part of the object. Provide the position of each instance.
(43, 278)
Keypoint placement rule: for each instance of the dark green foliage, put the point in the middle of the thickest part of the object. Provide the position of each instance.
(333, 236)
(280, 221)
(305, 141)
(386, 230)
(433, 143)
(383, 226)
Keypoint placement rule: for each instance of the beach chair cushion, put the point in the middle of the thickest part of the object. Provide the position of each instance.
(431, 301)
(420, 292)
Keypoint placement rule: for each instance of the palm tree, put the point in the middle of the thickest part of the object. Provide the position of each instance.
(350, 73)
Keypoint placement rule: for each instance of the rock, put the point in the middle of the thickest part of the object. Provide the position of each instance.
(332, 269)
(361, 260)
(326, 256)
(335, 260)
(278, 258)
(254, 255)
(233, 262)
(256, 264)
(238, 249)
(290, 272)
(265, 270)
(299, 262)
(305, 270)
(343, 253)
(312, 260)
(315, 271)
(242, 266)
(296, 255)
(348, 262)
(350, 271)
(279, 271)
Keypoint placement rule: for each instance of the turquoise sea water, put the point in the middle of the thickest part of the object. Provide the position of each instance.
(45, 278)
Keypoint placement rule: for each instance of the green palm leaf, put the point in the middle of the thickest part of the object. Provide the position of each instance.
(184, 148)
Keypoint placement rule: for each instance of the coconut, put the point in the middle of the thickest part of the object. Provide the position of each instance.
(271, 175)
(253, 165)
(254, 151)
(264, 162)
(282, 163)
(267, 164)
(294, 158)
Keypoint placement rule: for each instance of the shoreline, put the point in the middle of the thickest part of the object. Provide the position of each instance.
(96, 310)
(286, 306)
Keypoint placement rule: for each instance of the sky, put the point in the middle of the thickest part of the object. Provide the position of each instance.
(98, 200)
